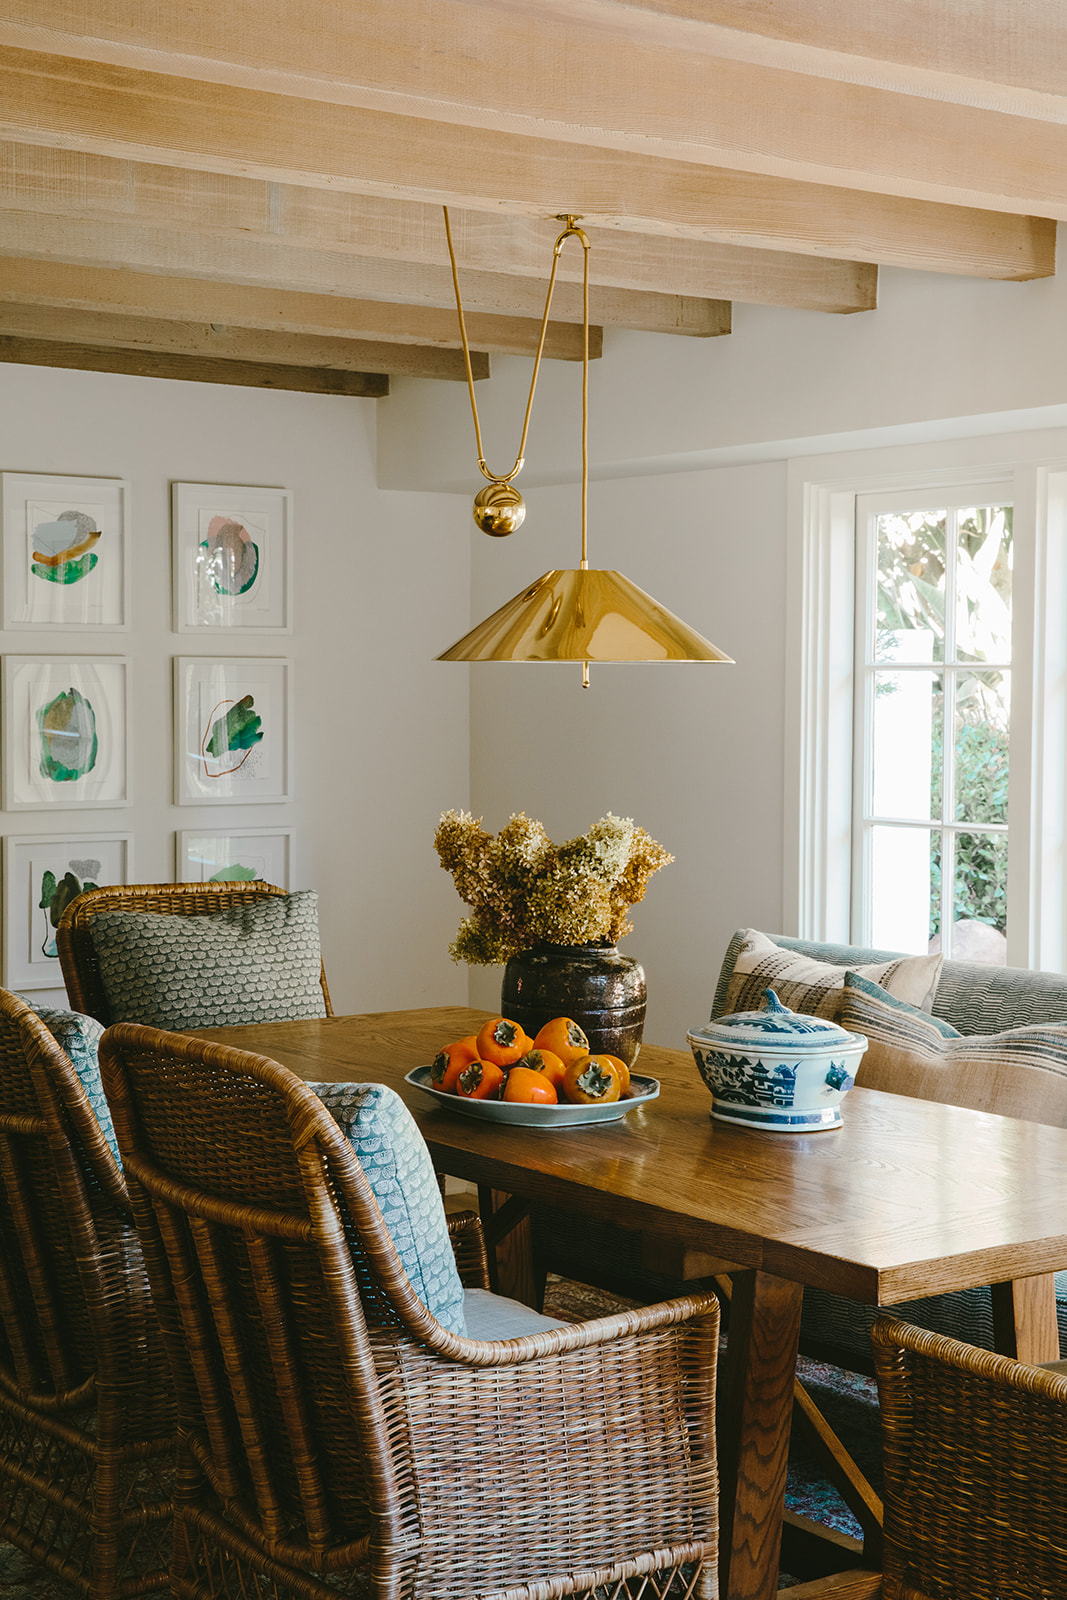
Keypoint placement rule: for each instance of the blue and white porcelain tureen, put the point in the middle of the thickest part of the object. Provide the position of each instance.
(777, 1068)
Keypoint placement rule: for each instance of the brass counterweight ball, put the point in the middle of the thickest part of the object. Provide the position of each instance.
(499, 509)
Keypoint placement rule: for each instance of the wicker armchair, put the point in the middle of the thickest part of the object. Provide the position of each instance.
(77, 955)
(333, 1437)
(86, 1406)
(975, 1471)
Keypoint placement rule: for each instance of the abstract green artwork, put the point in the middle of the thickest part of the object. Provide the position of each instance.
(67, 726)
(229, 556)
(56, 897)
(234, 874)
(62, 549)
(240, 728)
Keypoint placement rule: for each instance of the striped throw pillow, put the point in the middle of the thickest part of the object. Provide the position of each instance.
(817, 987)
(1020, 1073)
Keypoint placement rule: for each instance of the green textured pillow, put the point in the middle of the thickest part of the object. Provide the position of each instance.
(257, 963)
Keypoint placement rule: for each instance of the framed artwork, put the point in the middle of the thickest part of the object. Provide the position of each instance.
(239, 855)
(231, 730)
(232, 557)
(41, 877)
(65, 551)
(65, 733)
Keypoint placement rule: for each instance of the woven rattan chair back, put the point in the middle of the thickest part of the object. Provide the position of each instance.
(86, 1410)
(331, 1432)
(77, 953)
(975, 1448)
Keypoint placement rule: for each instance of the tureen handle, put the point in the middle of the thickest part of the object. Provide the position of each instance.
(773, 1002)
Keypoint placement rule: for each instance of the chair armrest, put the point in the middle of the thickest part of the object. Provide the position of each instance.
(603, 1440)
(468, 1246)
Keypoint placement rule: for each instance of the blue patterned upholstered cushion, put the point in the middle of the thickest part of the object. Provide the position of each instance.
(255, 963)
(393, 1154)
(79, 1036)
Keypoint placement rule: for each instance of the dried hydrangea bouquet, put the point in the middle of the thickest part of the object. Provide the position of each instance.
(553, 914)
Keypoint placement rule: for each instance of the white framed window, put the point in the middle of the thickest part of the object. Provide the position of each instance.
(834, 802)
(932, 719)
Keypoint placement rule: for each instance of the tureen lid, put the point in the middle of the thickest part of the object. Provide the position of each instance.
(774, 1024)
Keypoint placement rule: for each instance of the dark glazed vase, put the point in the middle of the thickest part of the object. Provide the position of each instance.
(601, 990)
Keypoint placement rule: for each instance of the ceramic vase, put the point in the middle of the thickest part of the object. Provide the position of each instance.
(602, 990)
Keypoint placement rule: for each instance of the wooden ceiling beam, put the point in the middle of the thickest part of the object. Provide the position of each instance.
(152, 117)
(193, 369)
(327, 292)
(254, 230)
(636, 81)
(213, 341)
(117, 290)
(968, 43)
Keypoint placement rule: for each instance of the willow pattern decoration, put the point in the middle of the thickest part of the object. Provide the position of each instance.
(232, 720)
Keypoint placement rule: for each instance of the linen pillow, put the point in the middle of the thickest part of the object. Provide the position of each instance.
(1019, 1073)
(393, 1154)
(258, 962)
(79, 1036)
(817, 987)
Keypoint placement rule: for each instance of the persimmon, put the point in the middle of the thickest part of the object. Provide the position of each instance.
(502, 1042)
(543, 1061)
(564, 1038)
(592, 1081)
(448, 1063)
(481, 1080)
(530, 1086)
(624, 1071)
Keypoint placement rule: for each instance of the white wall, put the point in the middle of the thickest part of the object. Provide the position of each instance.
(381, 584)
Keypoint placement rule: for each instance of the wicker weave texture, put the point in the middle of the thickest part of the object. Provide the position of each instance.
(975, 1471)
(333, 1436)
(77, 953)
(86, 1407)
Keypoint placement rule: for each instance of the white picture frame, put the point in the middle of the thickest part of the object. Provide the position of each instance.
(235, 854)
(31, 960)
(233, 557)
(232, 721)
(65, 732)
(55, 579)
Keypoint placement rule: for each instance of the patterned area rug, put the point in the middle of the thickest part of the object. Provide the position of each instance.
(845, 1398)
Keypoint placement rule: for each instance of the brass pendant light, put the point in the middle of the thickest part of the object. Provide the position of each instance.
(580, 614)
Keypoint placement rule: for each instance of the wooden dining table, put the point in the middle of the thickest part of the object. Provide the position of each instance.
(907, 1199)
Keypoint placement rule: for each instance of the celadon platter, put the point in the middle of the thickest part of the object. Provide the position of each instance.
(522, 1115)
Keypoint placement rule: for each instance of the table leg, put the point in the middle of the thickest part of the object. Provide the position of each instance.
(755, 1406)
(1024, 1319)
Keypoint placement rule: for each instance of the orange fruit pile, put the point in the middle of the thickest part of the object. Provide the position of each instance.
(502, 1062)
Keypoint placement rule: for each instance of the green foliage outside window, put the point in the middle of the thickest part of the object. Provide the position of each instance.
(911, 573)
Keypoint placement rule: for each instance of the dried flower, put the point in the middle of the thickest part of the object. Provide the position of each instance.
(524, 890)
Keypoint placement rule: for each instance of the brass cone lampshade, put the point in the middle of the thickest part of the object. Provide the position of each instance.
(581, 614)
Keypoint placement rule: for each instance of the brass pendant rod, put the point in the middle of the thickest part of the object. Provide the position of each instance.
(569, 230)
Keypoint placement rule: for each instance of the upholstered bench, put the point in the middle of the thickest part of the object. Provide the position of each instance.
(919, 1058)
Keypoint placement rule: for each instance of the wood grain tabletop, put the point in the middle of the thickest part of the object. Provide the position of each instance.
(908, 1198)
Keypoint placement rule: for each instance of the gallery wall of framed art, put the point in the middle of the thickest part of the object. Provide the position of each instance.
(146, 522)
(69, 720)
